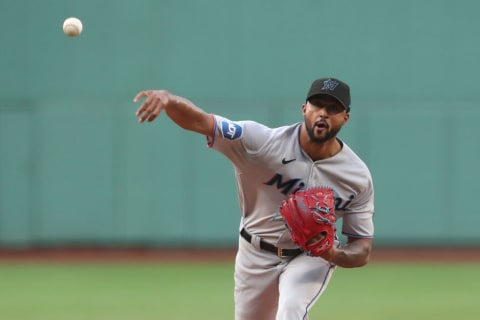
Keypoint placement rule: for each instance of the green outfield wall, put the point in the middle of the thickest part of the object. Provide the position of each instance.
(77, 169)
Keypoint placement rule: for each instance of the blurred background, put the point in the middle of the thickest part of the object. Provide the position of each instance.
(76, 169)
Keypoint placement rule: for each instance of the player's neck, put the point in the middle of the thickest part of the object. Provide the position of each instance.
(319, 151)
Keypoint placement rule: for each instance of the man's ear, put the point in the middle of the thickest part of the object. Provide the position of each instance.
(304, 108)
(346, 118)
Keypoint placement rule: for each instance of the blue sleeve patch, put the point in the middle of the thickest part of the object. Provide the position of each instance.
(231, 130)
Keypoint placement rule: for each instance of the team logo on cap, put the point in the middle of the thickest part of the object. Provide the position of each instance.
(329, 85)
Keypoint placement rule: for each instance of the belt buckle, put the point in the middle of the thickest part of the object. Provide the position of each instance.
(280, 253)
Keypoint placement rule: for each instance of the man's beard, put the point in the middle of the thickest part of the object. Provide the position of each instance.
(330, 133)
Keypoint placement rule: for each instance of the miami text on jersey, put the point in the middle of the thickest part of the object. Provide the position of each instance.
(293, 185)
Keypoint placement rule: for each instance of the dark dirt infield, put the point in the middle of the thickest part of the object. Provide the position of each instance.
(450, 255)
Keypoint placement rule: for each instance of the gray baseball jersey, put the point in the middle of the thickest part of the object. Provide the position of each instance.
(270, 165)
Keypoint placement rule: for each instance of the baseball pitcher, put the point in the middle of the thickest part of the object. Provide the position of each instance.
(294, 182)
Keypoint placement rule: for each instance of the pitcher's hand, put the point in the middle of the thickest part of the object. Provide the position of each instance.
(155, 102)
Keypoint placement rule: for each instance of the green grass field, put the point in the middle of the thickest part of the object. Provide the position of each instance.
(117, 291)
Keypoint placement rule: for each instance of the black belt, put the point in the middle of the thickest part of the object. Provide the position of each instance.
(282, 253)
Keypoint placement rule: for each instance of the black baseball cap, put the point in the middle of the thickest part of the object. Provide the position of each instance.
(332, 87)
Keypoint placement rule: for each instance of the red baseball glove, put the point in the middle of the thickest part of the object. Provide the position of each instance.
(310, 217)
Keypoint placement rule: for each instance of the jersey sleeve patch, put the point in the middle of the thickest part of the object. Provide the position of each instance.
(231, 130)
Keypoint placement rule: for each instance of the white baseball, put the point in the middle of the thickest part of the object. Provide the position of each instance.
(72, 27)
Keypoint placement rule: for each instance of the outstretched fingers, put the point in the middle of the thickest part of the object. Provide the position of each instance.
(155, 102)
(148, 110)
(143, 106)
